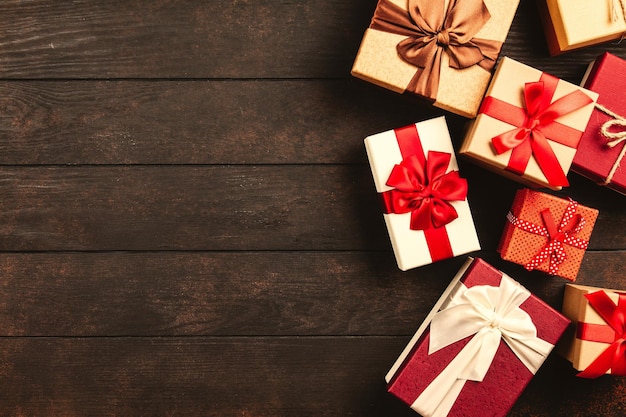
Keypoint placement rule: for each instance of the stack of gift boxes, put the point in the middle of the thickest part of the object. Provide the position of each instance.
(487, 335)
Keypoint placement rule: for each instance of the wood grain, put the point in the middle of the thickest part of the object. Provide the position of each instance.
(287, 207)
(189, 227)
(179, 39)
(260, 377)
(240, 293)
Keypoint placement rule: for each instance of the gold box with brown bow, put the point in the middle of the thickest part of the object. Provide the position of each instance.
(442, 50)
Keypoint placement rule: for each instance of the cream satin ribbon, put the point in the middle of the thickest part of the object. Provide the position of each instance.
(491, 314)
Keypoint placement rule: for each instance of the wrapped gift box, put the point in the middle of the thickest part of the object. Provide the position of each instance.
(599, 316)
(478, 348)
(529, 125)
(426, 210)
(574, 24)
(547, 233)
(601, 156)
(401, 52)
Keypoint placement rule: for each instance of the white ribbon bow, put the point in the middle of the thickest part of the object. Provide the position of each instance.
(490, 314)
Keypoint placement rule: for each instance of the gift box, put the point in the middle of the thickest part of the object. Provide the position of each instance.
(547, 233)
(404, 50)
(595, 346)
(424, 198)
(601, 150)
(478, 348)
(574, 24)
(529, 125)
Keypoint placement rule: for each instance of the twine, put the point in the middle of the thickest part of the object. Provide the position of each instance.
(613, 138)
(614, 9)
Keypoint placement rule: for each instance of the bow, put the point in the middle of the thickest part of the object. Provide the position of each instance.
(529, 138)
(613, 357)
(613, 138)
(489, 314)
(431, 31)
(570, 225)
(425, 190)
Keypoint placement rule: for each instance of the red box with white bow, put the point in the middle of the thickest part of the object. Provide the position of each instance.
(478, 348)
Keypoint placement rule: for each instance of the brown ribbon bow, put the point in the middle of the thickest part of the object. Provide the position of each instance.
(431, 31)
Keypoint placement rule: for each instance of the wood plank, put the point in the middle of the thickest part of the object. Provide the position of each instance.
(243, 39)
(241, 293)
(291, 207)
(198, 122)
(180, 39)
(246, 377)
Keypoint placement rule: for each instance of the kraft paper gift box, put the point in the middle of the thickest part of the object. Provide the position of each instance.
(600, 155)
(547, 233)
(574, 24)
(595, 346)
(424, 198)
(403, 50)
(478, 348)
(529, 125)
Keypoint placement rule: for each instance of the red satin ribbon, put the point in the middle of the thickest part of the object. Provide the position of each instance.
(423, 188)
(570, 225)
(535, 124)
(614, 356)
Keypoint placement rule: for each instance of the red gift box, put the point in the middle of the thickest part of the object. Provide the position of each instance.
(434, 385)
(599, 157)
(547, 233)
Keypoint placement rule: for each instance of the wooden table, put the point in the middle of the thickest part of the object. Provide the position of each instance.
(189, 226)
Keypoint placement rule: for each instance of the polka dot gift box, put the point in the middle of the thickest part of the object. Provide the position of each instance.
(547, 233)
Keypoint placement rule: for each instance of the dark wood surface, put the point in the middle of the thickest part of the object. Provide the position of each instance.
(189, 226)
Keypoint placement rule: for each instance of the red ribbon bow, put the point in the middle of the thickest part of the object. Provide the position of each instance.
(614, 356)
(433, 31)
(425, 190)
(570, 225)
(535, 123)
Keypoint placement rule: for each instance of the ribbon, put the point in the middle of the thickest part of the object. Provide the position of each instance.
(570, 225)
(433, 31)
(614, 356)
(613, 138)
(534, 125)
(424, 189)
(491, 315)
(614, 9)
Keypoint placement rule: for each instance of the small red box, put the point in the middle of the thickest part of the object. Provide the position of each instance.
(416, 371)
(530, 240)
(595, 159)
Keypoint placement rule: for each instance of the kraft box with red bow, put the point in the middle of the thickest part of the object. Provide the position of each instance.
(547, 233)
(574, 24)
(424, 198)
(601, 151)
(529, 125)
(478, 348)
(441, 50)
(597, 343)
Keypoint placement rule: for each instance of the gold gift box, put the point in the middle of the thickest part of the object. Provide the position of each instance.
(507, 85)
(581, 353)
(574, 24)
(460, 90)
